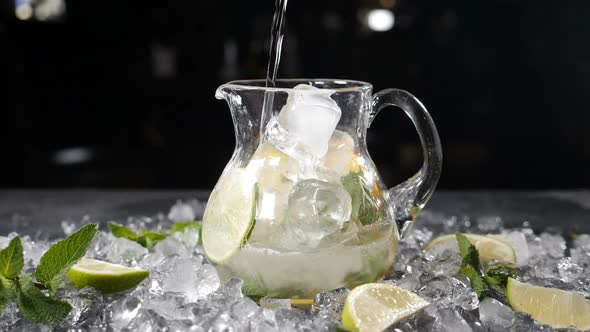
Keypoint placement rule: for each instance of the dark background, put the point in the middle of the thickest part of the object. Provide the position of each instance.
(121, 93)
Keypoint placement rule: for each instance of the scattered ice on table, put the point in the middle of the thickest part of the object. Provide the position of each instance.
(449, 291)
(69, 227)
(330, 304)
(270, 303)
(119, 250)
(569, 271)
(189, 237)
(546, 245)
(181, 212)
(494, 313)
(33, 250)
(185, 293)
(4, 241)
(171, 246)
(489, 224)
(181, 277)
(207, 281)
(518, 241)
(122, 311)
(449, 320)
(316, 209)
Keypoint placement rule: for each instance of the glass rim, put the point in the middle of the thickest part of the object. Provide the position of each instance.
(259, 84)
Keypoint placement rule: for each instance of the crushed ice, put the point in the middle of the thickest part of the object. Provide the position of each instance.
(185, 293)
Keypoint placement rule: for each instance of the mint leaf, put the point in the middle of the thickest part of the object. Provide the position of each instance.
(11, 259)
(61, 256)
(365, 206)
(122, 231)
(5, 295)
(146, 238)
(36, 306)
(183, 226)
(469, 254)
(149, 239)
(497, 277)
(477, 282)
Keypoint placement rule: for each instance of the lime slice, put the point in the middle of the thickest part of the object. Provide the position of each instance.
(229, 215)
(105, 277)
(551, 306)
(489, 247)
(374, 307)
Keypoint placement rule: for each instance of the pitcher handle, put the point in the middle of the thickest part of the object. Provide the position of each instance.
(409, 197)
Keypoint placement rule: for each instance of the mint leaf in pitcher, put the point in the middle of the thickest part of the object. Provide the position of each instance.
(63, 255)
(365, 206)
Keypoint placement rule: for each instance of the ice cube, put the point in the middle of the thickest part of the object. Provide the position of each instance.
(169, 306)
(244, 309)
(123, 311)
(308, 119)
(340, 153)
(449, 320)
(316, 209)
(272, 167)
(171, 246)
(207, 281)
(494, 313)
(518, 241)
(181, 212)
(120, 250)
(448, 291)
(181, 278)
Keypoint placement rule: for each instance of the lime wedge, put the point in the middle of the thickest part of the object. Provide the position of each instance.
(105, 277)
(490, 248)
(374, 307)
(551, 306)
(229, 215)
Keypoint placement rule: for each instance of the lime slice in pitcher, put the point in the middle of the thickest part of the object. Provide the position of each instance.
(229, 215)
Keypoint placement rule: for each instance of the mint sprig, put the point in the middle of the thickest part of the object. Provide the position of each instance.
(25, 292)
(63, 255)
(145, 238)
(495, 277)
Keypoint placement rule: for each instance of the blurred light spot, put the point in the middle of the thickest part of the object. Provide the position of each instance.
(49, 9)
(332, 22)
(380, 19)
(23, 10)
(72, 156)
(163, 61)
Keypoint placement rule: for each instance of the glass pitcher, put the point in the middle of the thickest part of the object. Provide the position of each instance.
(300, 207)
